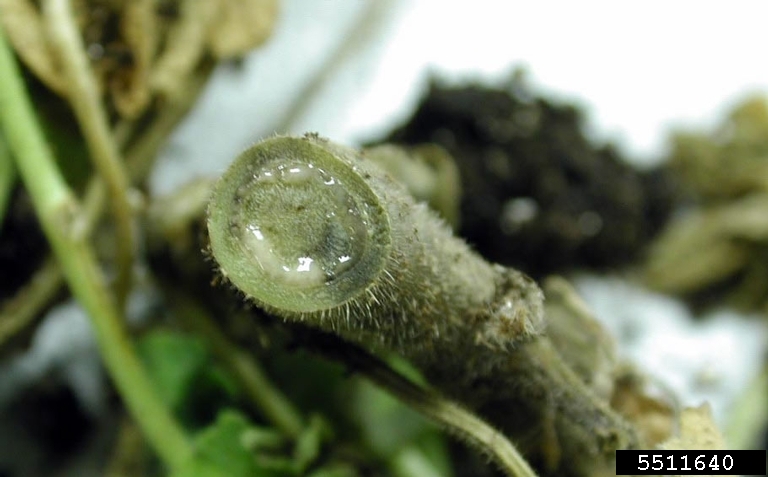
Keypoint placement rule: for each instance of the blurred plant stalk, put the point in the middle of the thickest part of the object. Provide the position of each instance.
(58, 210)
(131, 71)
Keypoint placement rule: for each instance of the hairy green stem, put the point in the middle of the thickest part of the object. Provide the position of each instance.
(85, 99)
(57, 211)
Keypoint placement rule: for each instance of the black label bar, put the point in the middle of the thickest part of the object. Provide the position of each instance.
(690, 462)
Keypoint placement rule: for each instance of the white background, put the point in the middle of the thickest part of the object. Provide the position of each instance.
(637, 67)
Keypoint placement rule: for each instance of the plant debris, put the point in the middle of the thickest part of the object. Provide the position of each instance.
(198, 384)
(719, 248)
(141, 49)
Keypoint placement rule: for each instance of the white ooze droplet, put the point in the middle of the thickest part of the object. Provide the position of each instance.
(304, 229)
(304, 272)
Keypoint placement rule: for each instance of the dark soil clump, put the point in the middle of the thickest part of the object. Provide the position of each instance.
(537, 194)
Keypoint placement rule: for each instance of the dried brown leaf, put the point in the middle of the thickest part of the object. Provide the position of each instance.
(652, 408)
(729, 161)
(26, 32)
(240, 26)
(745, 218)
(692, 253)
(130, 86)
(709, 246)
(697, 431)
(185, 46)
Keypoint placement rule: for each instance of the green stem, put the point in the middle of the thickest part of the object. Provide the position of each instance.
(58, 210)
(86, 102)
(44, 283)
(452, 417)
(19, 313)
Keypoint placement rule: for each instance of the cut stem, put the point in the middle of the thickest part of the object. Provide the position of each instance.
(57, 210)
(86, 103)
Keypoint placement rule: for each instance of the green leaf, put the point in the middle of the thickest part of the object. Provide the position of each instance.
(65, 138)
(310, 441)
(400, 435)
(426, 457)
(220, 452)
(387, 425)
(173, 361)
(335, 470)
